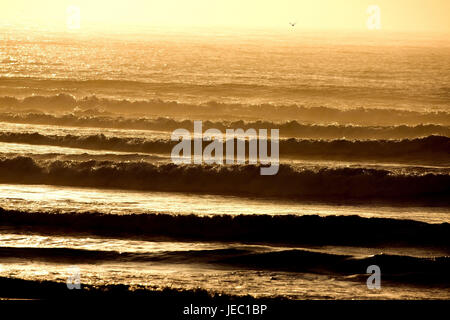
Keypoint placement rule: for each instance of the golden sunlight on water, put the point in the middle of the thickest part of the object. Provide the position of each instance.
(87, 119)
(255, 283)
(70, 199)
(166, 270)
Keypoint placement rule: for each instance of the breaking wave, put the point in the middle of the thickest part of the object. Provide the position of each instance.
(217, 110)
(395, 267)
(290, 182)
(287, 229)
(97, 119)
(432, 149)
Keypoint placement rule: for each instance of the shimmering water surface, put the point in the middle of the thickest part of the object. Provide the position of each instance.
(77, 104)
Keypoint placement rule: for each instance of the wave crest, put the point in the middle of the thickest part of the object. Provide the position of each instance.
(288, 229)
(217, 110)
(96, 118)
(290, 182)
(429, 150)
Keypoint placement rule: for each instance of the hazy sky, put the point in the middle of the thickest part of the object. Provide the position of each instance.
(401, 15)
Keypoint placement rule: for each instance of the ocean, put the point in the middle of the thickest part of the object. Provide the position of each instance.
(87, 179)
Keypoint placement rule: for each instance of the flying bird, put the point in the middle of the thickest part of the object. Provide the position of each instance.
(292, 24)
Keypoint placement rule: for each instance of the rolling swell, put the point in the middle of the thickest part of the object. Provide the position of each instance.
(217, 110)
(90, 118)
(285, 229)
(395, 267)
(341, 184)
(71, 255)
(432, 149)
(98, 157)
(91, 142)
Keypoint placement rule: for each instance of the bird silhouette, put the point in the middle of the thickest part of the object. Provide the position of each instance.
(292, 24)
